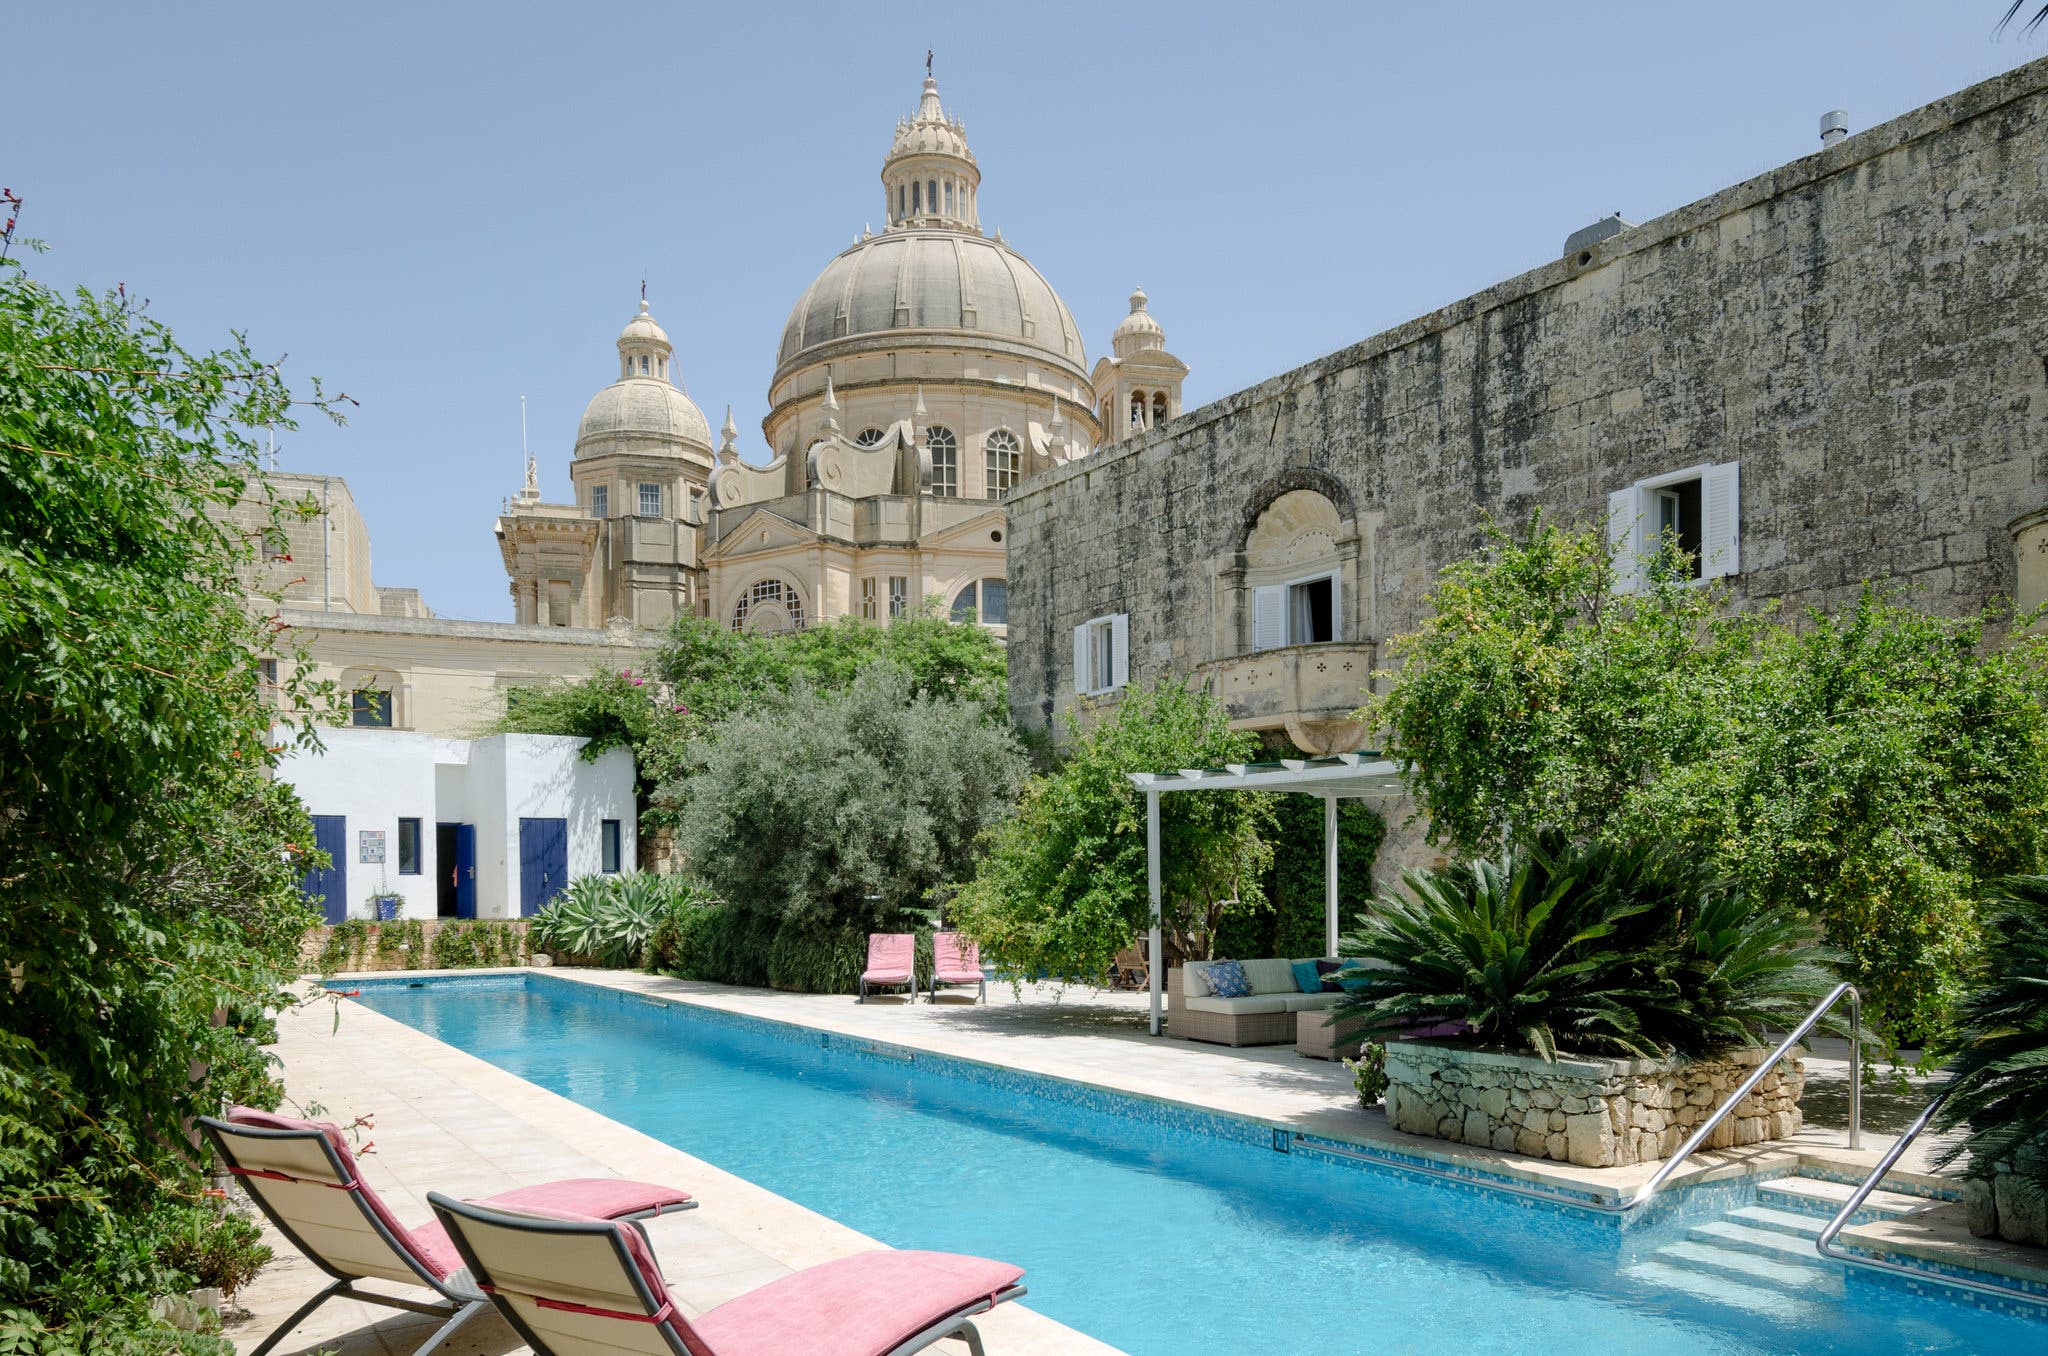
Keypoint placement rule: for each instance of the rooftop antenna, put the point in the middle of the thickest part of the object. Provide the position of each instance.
(272, 435)
(927, 63)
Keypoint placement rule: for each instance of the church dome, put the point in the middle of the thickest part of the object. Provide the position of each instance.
(644, 410)
(970, 288)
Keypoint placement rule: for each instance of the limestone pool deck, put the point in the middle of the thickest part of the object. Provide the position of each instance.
(446, 1120)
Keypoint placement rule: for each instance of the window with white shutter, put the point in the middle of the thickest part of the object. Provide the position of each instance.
(1269, 617)
(1699, 510)
(1102, 654)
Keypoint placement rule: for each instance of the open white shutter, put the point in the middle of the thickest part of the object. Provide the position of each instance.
(1625, 538)
(1337, 606)
(1721, 521)
(1120, 650)
(1269, 617)
(1081, 678)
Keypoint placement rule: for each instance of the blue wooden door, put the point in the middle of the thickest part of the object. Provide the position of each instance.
(543, 862)
(330, 835)
(465, 870)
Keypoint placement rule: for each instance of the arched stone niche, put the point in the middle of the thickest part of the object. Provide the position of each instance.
(1299, 526)
(2030, 559)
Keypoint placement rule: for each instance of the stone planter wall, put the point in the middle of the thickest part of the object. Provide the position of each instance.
(1597, 1113)
(2009, 1205)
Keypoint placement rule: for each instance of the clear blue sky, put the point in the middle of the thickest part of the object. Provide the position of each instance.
(439, 207)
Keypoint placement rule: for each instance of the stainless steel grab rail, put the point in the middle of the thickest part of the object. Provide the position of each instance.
(1699, 1136)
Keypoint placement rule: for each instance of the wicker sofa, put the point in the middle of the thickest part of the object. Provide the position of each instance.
(1267, 1017)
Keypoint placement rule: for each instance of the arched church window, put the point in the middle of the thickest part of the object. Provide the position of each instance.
(986, 601)
(900, 209)
(931, 196)
(949, 197)
(916, 199)
(769, 605)
(868, 437)
(1159, 407)
(643, 364)
(964, 603)
(1137, 410)
(945, 461)
(1003, 459)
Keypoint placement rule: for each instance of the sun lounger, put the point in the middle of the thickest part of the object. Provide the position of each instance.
(303, 1175)
(892, 963)
(956, 960)
(572, 1285)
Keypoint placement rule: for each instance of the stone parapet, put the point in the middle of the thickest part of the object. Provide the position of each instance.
(1597, 1113)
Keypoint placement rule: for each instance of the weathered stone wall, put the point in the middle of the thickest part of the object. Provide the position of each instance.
(2011, 1205)
(1597, 1113)
(1864, 329)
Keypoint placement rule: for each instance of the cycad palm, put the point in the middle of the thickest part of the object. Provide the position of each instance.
(1999, 1073)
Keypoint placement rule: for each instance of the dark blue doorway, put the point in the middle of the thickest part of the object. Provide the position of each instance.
(330, 835)
(543, 862)
(455, 869)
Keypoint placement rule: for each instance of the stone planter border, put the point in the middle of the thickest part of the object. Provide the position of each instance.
(1586, 1110)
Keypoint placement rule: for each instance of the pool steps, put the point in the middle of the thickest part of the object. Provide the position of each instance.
(1761, 1257)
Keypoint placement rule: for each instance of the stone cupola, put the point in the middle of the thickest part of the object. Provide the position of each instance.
(929, 178)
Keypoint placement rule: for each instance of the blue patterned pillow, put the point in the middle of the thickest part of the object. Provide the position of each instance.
(1227, 979)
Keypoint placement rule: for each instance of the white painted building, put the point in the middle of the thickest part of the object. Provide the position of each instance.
(460, 828)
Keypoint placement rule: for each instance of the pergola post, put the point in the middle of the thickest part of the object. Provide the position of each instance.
(1155, 966)
(1330, 876)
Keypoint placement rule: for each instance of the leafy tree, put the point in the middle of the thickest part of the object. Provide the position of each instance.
(148, 910)
(1871, 768)
(1293, 921)
(1064, 884)
(850, 809)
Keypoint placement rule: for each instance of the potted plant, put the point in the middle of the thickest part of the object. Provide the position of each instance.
(385, 904)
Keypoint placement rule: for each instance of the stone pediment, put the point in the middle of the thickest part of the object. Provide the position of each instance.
(759, 531)
(968, 532)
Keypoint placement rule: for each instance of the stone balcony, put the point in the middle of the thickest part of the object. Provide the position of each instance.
(1309, 691)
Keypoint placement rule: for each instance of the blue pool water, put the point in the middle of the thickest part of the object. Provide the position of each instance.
(1155, 1238)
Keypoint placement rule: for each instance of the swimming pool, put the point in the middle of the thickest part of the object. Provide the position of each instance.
(1156, 1231)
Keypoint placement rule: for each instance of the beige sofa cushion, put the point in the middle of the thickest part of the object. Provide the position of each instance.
(1270, 976)
(1194, 980)
(1311, 1002)
(1239, 1007)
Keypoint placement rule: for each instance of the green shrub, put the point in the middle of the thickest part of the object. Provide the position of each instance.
(1369, 1073)
(1292, 922)
(213, 1245)
(809, 959)
(470, 944)
(1604, 949)
(1998, 1046)
(874, 800)
(343, 949)
(401, 944)
(715, 943)
(1063, 886)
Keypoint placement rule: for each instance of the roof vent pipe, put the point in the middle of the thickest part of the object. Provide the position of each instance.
(1834, 125)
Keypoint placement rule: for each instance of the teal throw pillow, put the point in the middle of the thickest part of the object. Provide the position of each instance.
(1227, 979)
(1307, 978)
(1354, 985)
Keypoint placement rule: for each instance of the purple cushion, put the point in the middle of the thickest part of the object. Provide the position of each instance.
(1326, 968)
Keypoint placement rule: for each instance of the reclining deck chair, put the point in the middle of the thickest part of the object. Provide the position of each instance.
(303, 1175)
(955, 960)
(892, 963)
(571, 1286)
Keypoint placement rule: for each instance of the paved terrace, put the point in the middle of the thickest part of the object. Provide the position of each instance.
(448, 1121)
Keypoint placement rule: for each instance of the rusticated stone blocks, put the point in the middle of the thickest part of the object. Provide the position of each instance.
(1597, 1113)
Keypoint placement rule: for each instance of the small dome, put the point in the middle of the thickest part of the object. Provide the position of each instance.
(643, 411)
(912, 281)
(929, 131)
(641, 414)
(1138, 330)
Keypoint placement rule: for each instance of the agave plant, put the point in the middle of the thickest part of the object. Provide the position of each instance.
(1998, 1073)
(605, 919)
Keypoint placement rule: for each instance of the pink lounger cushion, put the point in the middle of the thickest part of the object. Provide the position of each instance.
(892, 958)
(584, 1197)
(864, 1305)
(955, 960)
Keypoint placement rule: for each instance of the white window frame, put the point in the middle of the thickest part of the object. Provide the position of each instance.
(600, 501)
(899, 595)
(870, 599)
(1102, 649)
(1273, 611)
(645, 486)
(1632, 512)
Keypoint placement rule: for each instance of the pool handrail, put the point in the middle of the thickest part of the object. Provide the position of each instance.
(1762, 1070)
(1825, 1244)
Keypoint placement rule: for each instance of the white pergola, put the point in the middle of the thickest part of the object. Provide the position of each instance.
(1347, 776)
